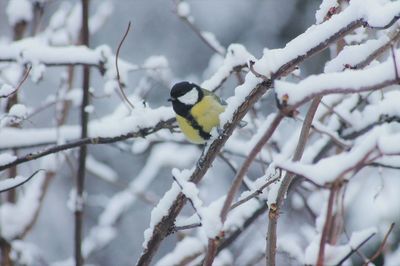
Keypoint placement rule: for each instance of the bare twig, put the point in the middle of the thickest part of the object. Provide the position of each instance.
(21, 183)
(121, 86)
(19, 84)
(381, 246)
(255, 193)
(354, 250)
(189, 199)
(327, 225)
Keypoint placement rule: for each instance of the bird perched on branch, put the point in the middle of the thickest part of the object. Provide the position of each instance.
(197, 110)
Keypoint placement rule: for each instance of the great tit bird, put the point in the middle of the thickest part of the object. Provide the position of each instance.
(197, 110)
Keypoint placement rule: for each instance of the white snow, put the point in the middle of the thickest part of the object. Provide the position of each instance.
(338, 165)
(101, 170)
(212, 40)
(334, 254)
(18, 11)
(6, 158)
(11, 182)
(183, 9)
(324, 8)
(354, 54)
(236, 55)
(18, 110)
(350, 80)
(6, 90)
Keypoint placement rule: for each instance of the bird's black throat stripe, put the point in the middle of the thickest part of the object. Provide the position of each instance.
(189, 117)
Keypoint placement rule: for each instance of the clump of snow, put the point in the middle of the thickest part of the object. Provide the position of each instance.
(89, 109)
(183, 9)
(18, 110)
(6, 90)
(6, 158)
(324, 8)
(186, 248)
(18, 11)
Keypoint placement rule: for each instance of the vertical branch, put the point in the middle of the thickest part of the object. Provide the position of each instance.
(327, 225)
(211, 252)
(80, 182)
(18, 34)
(287, 180)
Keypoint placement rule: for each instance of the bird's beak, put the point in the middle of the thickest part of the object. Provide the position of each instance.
(170, 100)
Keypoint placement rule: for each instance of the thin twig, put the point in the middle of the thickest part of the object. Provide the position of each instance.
(26, 74)
(116, 66)
(95, 140)
(354, 250)
(196, 30)
(327, 225)
(254, 194)
(189, 199)
(381, 246)
(21, 183)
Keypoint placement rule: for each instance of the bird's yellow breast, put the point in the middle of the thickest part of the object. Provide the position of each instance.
(206, 113)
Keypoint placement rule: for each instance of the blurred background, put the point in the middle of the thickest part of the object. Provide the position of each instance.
(156, 30)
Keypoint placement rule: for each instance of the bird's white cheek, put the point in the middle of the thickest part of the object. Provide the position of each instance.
(189, 98)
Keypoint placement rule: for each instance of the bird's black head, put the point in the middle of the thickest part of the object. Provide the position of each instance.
(184, 95)
(183, 88)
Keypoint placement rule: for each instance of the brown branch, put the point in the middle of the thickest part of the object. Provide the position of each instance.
(80, 181)
(95, 140)
(21, 183)
(354, 250)
(287, 180)
(116, 66)
(239, 179)
(381, 246)
(327, 225)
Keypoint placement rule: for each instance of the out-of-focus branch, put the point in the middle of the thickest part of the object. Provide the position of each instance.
(195, 29)
(328, 224)
(381, 246)
(80, 181)
(96, 140)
